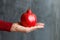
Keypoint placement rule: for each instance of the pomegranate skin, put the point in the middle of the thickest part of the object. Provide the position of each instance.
(28, 19)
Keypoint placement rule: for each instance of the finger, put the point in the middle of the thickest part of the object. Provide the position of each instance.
(41, 24)
(38, 26)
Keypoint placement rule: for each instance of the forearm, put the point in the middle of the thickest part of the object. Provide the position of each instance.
(5, 26)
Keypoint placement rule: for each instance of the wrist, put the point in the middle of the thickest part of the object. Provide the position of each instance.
(13, 27)
(17, 28)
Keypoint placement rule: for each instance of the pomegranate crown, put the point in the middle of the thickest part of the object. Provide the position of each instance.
(29, 11)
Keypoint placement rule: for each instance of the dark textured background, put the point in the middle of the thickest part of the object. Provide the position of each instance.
(47, 11)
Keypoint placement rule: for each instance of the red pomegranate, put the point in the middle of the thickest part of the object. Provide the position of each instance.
(28, 19)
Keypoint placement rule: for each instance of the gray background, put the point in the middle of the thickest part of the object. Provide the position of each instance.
(47, 11)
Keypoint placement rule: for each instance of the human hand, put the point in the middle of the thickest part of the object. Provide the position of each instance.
(16, 27)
